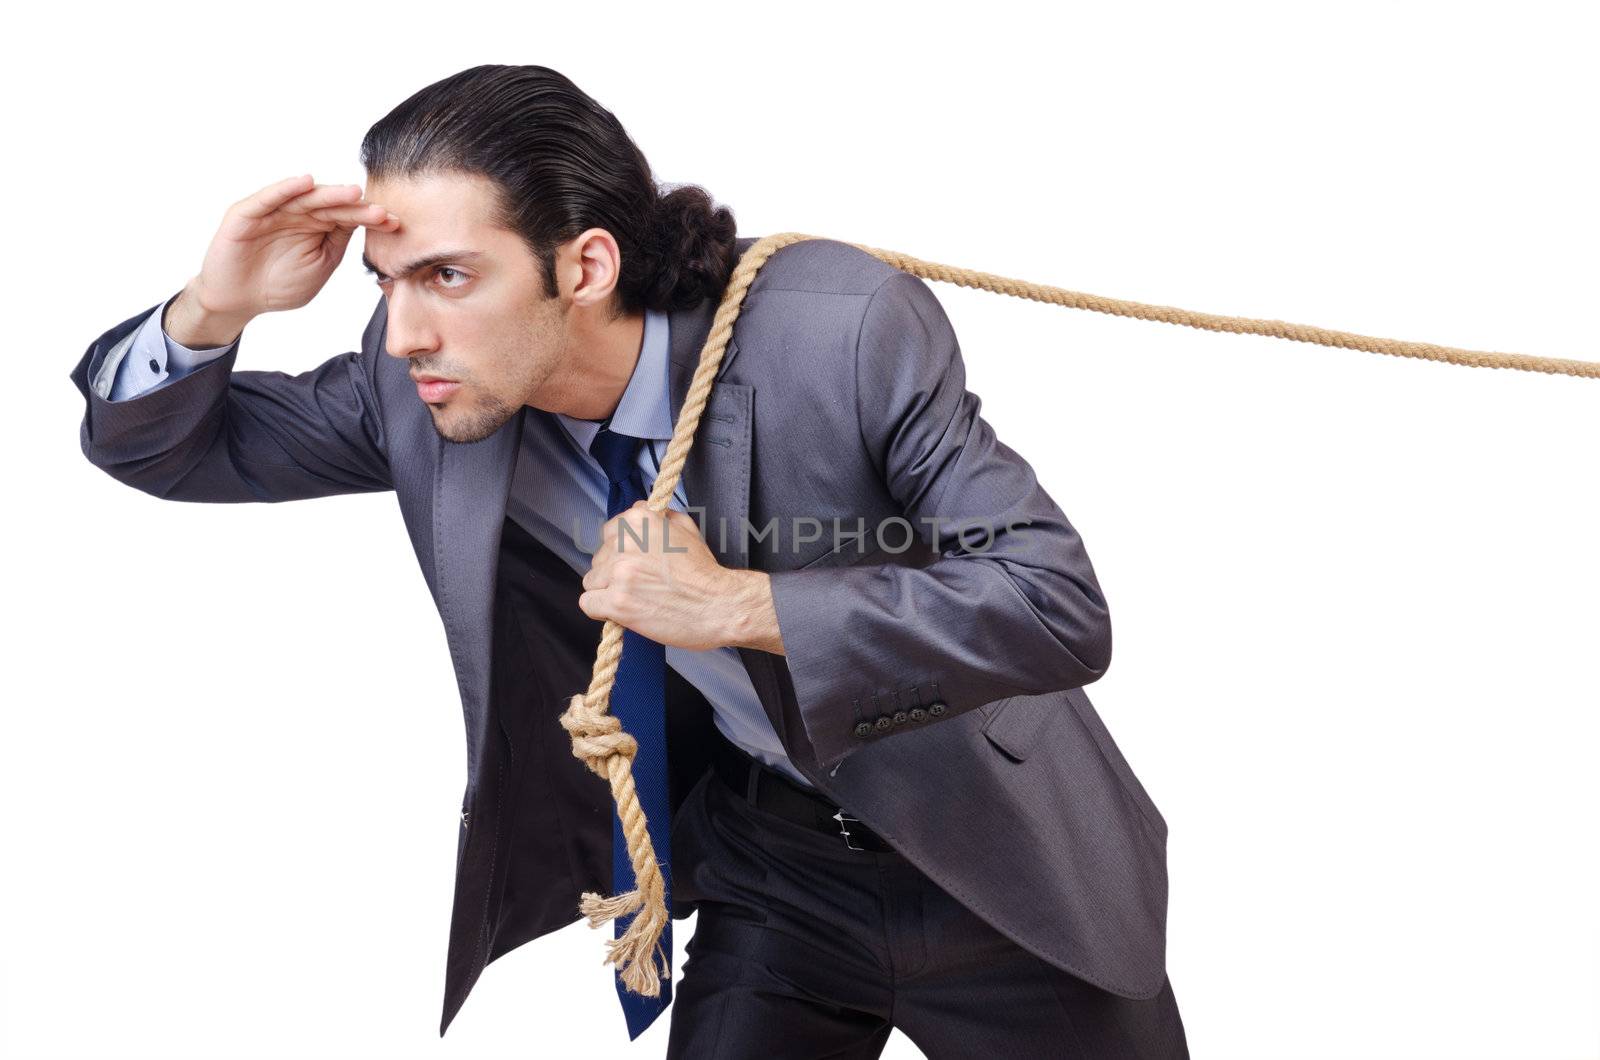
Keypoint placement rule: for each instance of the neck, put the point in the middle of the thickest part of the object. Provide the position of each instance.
(602, 357)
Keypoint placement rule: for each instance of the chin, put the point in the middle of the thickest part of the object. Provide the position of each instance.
(465, 426)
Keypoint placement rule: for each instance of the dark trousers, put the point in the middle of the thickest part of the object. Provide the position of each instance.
(804, 948)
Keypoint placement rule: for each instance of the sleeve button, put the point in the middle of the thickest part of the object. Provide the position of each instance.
(900, 717)
(863, 728)
(883, 723)
(918, 714)
(155, 366)
(937, 708)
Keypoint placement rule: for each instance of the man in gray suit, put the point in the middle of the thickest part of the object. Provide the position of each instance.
(892, 803)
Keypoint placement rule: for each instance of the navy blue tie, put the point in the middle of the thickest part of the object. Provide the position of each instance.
(639, 701)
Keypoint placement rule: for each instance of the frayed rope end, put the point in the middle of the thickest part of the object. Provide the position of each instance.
(628, 952)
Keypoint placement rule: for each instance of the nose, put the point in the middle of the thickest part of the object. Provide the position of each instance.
(408, 332)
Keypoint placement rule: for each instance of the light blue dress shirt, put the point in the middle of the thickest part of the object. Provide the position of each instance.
(558, 495)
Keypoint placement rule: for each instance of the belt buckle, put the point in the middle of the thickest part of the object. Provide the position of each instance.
(840, 816)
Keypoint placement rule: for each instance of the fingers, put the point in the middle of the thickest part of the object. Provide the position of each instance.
(323, 195)
(337, 203)
(371, 216)
(273, 196)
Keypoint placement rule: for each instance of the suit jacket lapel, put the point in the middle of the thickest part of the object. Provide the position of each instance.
(716, 475)
(470, 488)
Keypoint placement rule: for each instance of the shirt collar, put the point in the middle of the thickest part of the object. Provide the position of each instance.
(645, 410)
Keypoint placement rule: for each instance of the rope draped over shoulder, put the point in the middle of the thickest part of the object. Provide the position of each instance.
(597, 736)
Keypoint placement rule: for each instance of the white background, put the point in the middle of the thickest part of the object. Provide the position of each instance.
(1354, 596)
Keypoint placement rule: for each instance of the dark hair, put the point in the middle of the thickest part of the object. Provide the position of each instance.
(561, 163)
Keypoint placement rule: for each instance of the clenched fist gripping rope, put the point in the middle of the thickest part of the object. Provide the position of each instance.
(597, 737)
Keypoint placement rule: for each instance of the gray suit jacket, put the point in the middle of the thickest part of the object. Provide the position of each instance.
(841, 395)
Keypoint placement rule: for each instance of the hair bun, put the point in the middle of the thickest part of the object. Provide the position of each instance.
(689, 254)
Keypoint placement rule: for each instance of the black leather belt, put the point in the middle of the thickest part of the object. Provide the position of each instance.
(771, 791)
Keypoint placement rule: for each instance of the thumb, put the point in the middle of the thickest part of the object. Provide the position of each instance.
(334, 242)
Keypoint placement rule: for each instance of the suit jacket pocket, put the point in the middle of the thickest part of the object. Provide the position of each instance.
(1013, 732)
(1016, 726)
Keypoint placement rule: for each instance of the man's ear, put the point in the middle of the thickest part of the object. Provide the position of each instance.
(597, 266)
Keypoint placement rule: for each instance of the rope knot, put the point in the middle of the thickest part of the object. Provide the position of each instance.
(596, 735)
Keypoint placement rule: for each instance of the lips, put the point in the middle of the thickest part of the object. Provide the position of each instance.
(433, 389)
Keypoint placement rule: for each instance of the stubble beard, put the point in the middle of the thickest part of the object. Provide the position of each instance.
(484, 419)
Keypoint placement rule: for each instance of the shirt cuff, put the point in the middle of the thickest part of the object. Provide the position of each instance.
(154, 358)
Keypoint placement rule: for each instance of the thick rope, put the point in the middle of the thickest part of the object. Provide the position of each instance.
(597, 736)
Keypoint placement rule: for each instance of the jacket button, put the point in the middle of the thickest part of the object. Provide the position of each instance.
(863, 728)
(937, 707)
(883, 723)
(900, 717)
(464, 815)
(919, 714)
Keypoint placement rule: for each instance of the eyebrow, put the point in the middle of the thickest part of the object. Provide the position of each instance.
(427, 262)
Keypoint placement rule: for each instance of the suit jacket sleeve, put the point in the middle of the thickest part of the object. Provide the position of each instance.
(222, 436)
(1010, 605)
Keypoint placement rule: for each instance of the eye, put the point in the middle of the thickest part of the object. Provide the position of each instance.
(454, 272)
